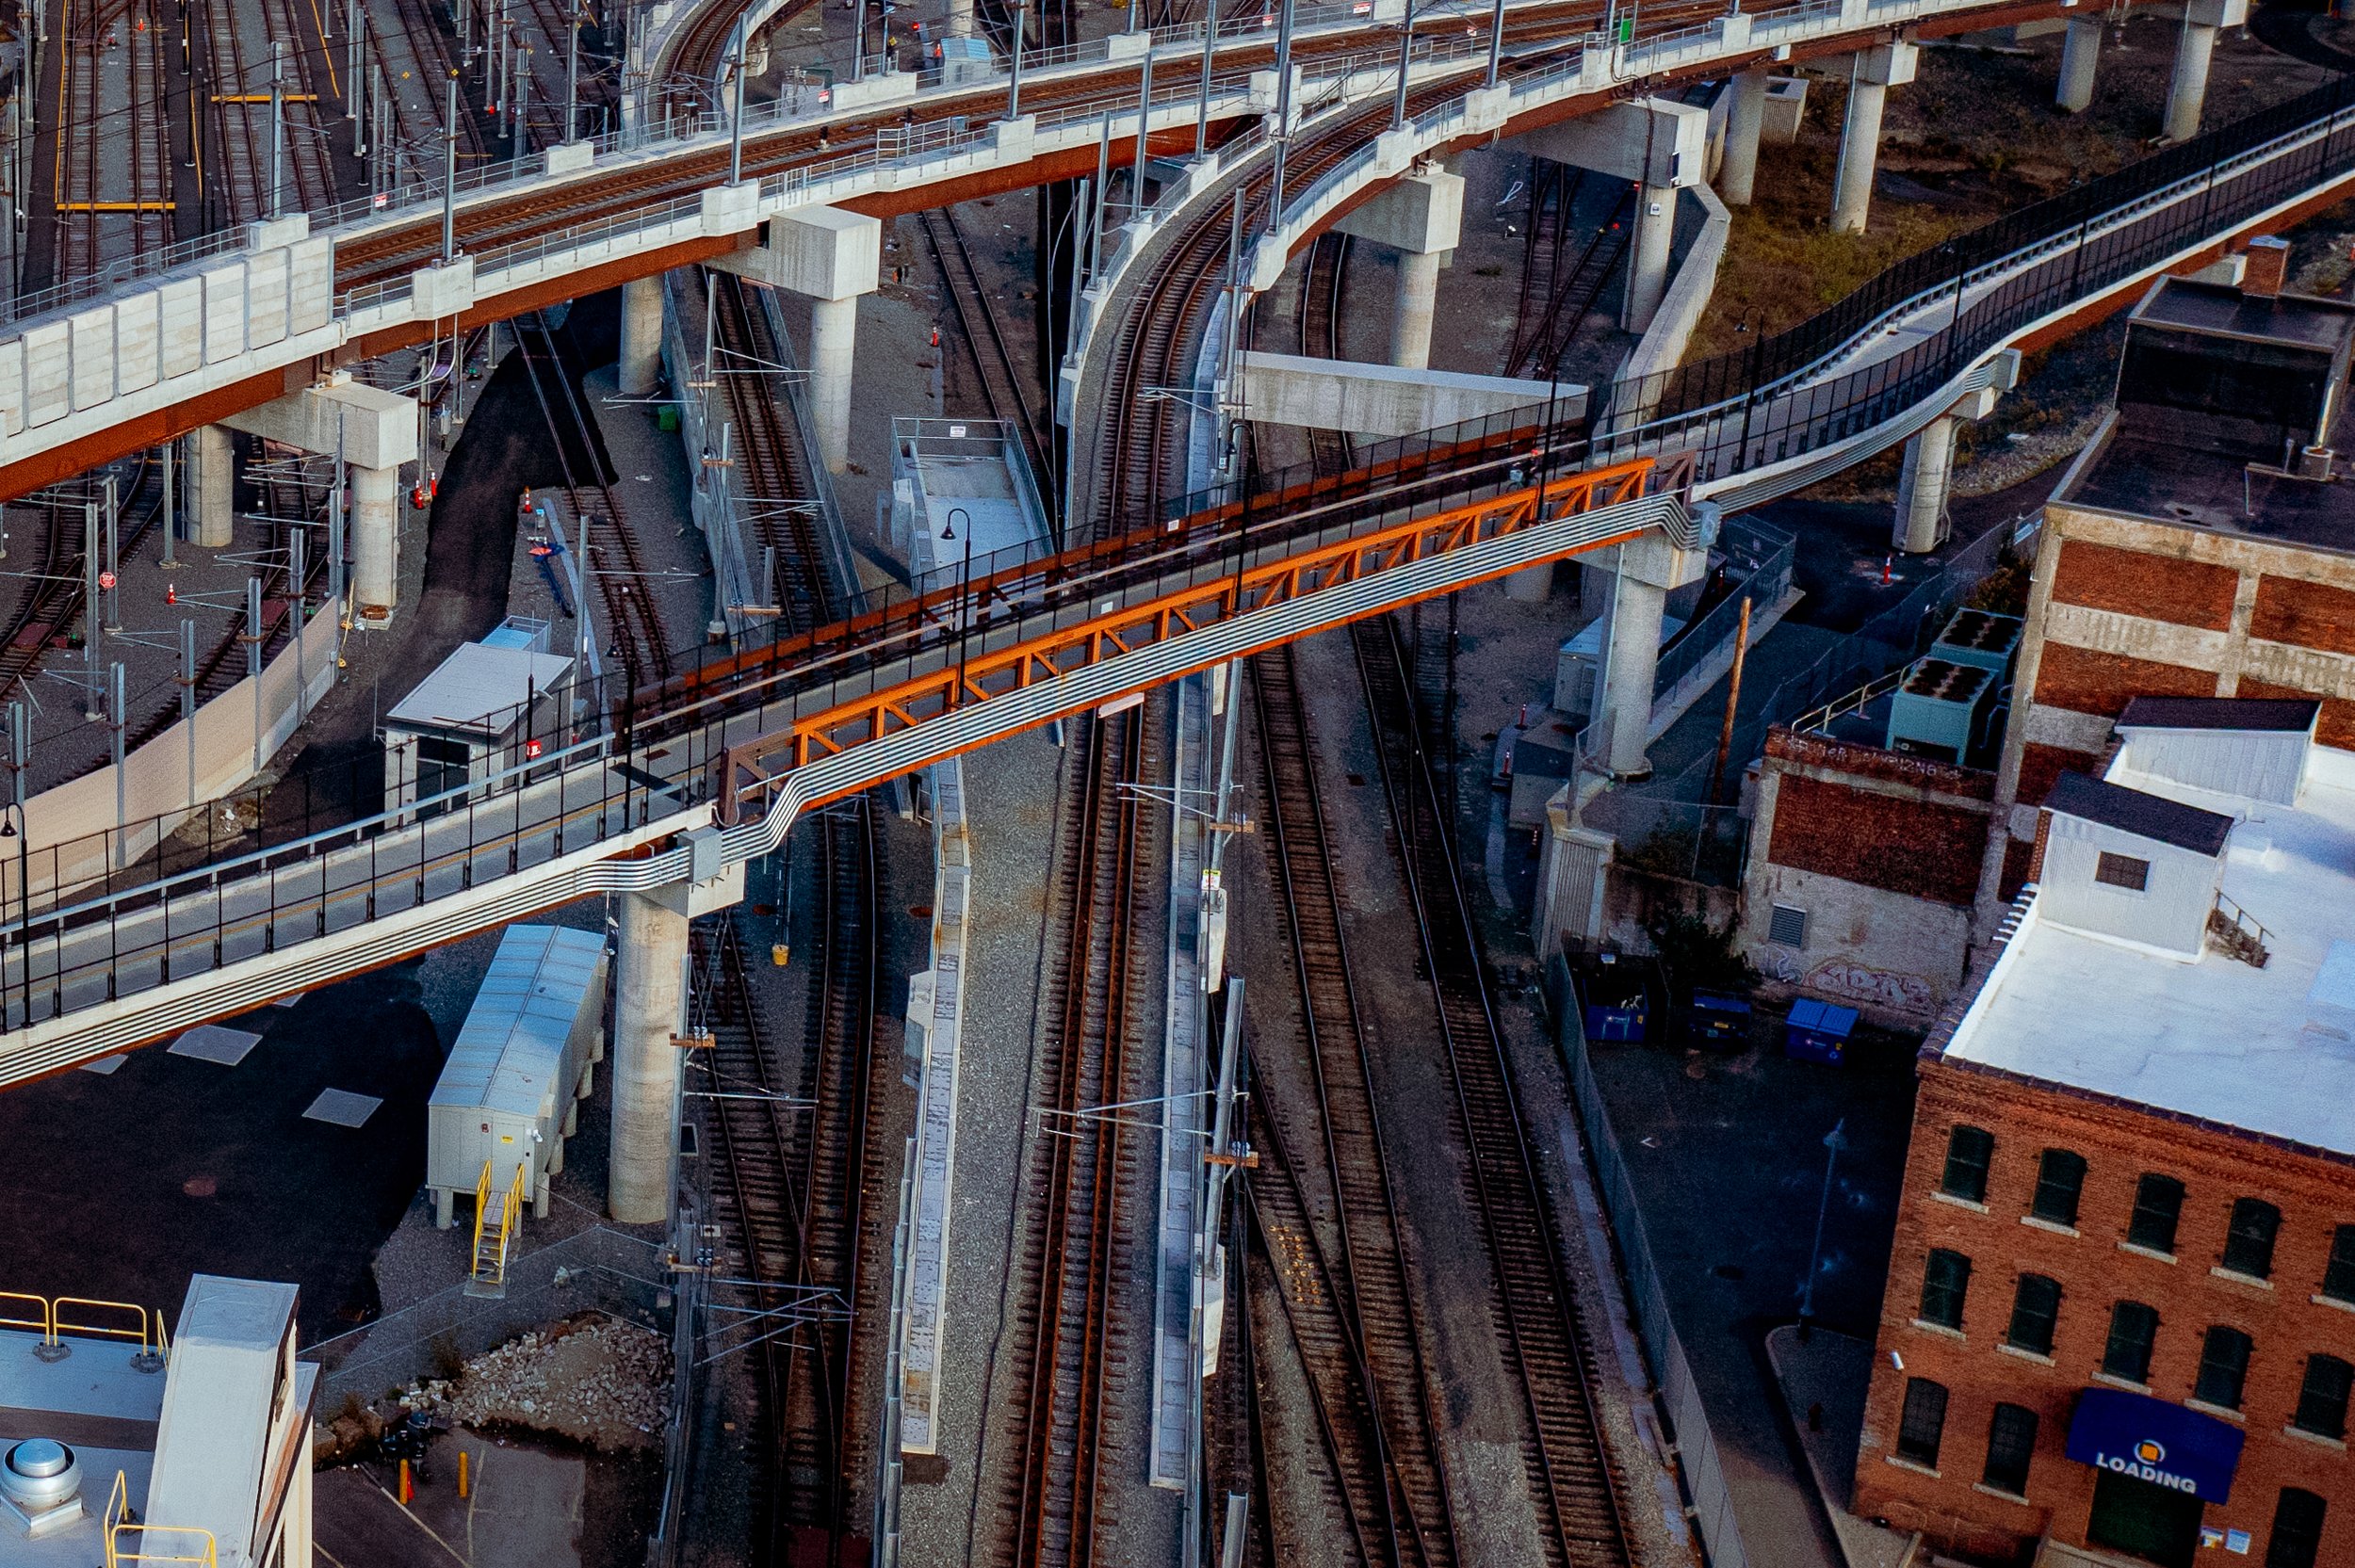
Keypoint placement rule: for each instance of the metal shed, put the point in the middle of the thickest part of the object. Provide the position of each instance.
(488, 707)
(510, 1092)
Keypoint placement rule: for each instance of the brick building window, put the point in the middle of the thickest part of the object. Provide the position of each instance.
(2133, 1330)
(1968, 1150)
(1945, 1281)
(2338, 1275)
(2035, 1307)
(2249, 1242)
(1923, 1422)
(2010, 1444)
(2122, 871)
(2060, 1176)
(2223, 1367)
(2296, 1539)
(2158, 1204)
(2322, 1399)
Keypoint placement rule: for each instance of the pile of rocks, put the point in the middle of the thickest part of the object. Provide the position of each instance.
(593, 1380)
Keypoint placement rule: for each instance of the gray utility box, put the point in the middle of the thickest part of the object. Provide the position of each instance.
(511, 1090)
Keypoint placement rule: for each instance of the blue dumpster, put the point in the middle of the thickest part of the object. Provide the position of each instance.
(1818, 1031)
(1717, 1022)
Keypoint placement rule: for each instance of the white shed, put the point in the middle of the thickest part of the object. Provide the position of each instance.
(522, 1062)
(485, 709)
(2126, 864)
(2251, 746)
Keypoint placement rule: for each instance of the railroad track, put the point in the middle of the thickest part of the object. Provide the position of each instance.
(1549, 317)
(1005, 387)
(778, 491)
(795, 1190)
(1411, 1523)
(1321, 294)
(1545, 1346)
(1092, 1176)
(236, 81)
(633, 617)
(402, 247)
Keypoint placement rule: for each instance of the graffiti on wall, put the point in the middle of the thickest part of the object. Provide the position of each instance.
(1851, 981)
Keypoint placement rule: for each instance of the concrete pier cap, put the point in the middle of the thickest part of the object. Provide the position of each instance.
(817, 252)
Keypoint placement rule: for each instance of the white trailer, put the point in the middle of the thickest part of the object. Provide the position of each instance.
(510, 1092)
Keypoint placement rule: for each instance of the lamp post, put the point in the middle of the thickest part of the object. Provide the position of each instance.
(13, 826)
(1833, 1142)
(965, 589)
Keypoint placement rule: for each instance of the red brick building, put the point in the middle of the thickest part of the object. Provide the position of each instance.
(2126, 1248)
(1863, 870)
(2119, 1325)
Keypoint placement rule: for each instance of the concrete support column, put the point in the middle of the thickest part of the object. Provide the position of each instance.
(1737, 175)
(1648, 568)
(833, 352)
(1418, 302)
(642, 337)
(1637, 609)
(2195, 47)
(1648, 258)
(829, 257)
(212, 487)
(375, 542)
(648, 994)
(1877, 71)
(1929, 469)
(2081, 51)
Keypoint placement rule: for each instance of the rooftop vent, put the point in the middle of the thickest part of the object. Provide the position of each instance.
(41, 1481)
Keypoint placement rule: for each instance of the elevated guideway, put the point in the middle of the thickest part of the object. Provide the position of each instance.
(104, 366)
(697, 776)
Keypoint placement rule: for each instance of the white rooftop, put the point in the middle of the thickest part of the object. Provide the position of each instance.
(2267, 1050)
(479, 688)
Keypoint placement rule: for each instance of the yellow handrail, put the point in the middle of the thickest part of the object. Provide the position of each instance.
(101, 1331)
(198, 1546)
(44, 1325)
(481, 1206)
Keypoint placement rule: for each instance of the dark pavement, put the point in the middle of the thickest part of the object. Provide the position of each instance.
(1728, 1166)
(119, 1186)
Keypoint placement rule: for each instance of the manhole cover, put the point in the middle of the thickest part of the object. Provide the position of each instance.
(200, 1186)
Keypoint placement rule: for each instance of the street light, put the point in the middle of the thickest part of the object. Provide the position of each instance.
(13, 825)
(1833, 1143)
(965, 591)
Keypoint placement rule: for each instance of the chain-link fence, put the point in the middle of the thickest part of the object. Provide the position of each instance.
(597, 1270)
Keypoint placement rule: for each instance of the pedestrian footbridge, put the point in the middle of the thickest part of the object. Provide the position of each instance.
(106, 947)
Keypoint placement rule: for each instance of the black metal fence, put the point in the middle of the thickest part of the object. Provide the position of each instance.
(1781, 399)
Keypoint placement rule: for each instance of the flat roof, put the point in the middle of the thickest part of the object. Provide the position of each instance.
(2295, 714)
(478, 688)
(2140, 811)
(2303, 320)
(2214, 1039)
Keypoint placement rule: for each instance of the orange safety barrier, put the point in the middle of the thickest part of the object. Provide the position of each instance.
(1196, 608)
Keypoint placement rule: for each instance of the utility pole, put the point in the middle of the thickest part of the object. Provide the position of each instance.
(736, 111)
(450, 172)
(1014, 88)
(1406, 56)
(1283, 115)
(277, 123)
(571, 72)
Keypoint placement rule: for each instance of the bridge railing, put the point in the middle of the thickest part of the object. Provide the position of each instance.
(654, 757)
(1828, 379)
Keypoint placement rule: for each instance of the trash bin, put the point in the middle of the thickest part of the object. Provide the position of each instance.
(1818, 1031)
